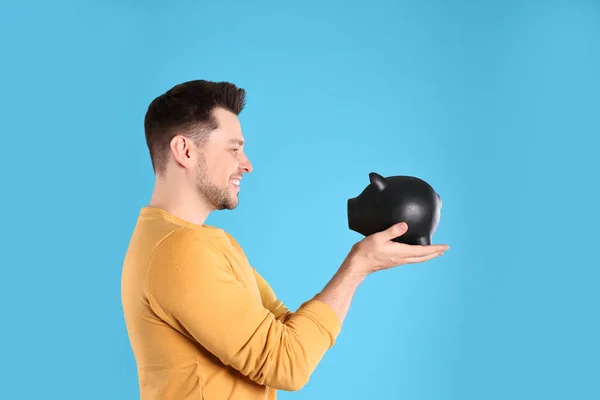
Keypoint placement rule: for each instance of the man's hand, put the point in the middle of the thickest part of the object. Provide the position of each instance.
(378, 252)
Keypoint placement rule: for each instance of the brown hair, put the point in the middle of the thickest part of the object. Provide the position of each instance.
(186, 109)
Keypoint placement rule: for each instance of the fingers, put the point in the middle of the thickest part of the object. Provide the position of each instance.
(423, 251)
(414, 260)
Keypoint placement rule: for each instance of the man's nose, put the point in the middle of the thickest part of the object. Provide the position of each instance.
(246, 165)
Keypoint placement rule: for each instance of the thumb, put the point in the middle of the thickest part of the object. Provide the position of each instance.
(396, 230)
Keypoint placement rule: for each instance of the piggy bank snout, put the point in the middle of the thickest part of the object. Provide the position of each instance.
(354, 214)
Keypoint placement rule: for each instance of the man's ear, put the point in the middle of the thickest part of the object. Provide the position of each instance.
(183, 151)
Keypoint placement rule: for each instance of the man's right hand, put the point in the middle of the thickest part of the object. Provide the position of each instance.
(378, 252)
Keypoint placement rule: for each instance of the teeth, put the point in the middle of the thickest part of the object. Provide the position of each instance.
(236, 182)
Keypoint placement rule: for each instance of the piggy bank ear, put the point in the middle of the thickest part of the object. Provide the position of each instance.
(377, 180)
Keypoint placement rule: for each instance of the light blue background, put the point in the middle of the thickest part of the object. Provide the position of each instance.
(496, 104)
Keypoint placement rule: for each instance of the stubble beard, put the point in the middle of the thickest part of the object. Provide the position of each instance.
(220, 198)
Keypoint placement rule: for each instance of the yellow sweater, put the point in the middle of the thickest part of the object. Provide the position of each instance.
(203, 324)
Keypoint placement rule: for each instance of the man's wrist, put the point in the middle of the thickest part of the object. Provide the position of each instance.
(353, 269)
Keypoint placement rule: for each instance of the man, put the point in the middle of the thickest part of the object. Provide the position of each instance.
(202, 322)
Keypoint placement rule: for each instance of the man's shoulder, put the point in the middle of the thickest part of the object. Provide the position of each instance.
(195, 242)
(183, 238)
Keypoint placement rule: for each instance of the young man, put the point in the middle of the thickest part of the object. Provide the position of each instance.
(202, 322)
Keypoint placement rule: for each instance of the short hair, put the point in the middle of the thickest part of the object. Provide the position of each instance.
(187, 109)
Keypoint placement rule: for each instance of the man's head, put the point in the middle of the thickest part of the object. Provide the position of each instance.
(194, 137)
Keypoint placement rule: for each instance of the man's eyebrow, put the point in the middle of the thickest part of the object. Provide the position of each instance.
(236, 141)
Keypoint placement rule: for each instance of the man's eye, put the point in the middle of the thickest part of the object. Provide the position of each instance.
(235, 150)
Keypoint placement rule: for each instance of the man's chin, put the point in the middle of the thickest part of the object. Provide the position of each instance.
(233, 204)
(230, 205)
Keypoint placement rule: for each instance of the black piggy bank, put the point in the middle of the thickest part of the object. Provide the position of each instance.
(387, 201)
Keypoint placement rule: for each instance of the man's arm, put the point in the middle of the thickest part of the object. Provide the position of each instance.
(192, 287)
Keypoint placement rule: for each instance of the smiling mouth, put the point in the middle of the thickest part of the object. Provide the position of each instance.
(236, 183)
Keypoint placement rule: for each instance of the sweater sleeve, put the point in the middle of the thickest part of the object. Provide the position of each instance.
(192, 287)
(270, 300)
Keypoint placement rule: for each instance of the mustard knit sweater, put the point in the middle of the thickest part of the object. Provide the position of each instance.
(203, 324)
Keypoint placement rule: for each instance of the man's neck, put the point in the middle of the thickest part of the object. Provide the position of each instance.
(180, 203)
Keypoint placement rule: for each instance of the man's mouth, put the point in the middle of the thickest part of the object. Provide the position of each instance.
(236, 181)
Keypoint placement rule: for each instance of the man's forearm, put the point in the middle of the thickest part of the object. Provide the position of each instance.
(340, 290)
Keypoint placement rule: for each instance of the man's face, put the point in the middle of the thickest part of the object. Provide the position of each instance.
(222, 162)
